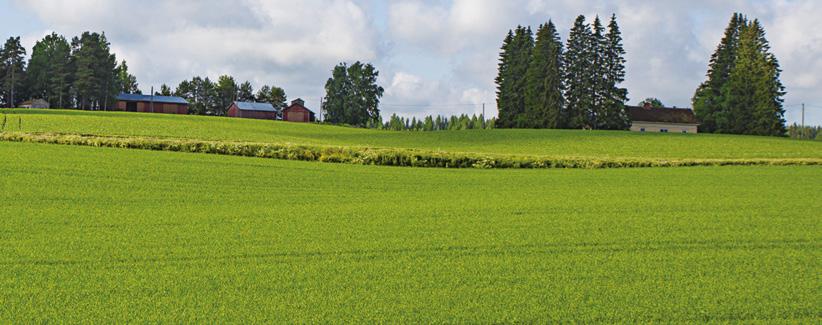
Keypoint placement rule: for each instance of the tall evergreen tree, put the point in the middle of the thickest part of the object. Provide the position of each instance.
(708, 100)
(743, 93)
(597, 77)
(504, 81)
(127, 82)
(769, 113)
(512, 92)
(615, 97)
(94, 83)
(544, 99)
(753, 93)
(245, 92)
(578, 76)
(13, 68)
(49, 70)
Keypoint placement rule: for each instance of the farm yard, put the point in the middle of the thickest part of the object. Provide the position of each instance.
(145, 236)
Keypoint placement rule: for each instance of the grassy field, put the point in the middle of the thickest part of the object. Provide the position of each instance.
(102, 235)
(555, 143)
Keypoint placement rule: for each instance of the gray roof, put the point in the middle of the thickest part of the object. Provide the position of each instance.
(260, 107)
(149, 98)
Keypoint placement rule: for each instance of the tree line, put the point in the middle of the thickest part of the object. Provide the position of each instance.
(81, 73)
(542, 83)
(742, 93)
(438, 123)
(206, 97)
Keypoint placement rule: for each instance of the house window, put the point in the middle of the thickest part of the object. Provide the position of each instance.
(663, 130)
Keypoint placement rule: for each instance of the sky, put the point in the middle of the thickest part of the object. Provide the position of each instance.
(434, 57)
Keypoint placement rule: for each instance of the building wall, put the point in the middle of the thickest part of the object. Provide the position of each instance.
(257, 115)
(653, 127)
(234, 111)
(145, 107)
(296, 114)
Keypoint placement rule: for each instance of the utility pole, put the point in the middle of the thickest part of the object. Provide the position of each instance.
(803, 121)
(483, 116)
(11, 104)
(151, 103)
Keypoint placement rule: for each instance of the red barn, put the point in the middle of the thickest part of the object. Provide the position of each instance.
(261, 111)
(151, 104)
(297, 112)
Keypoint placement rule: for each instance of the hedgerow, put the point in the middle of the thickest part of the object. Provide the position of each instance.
(380, 156)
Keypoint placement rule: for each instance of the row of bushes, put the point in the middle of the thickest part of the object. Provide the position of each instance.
(376, 156)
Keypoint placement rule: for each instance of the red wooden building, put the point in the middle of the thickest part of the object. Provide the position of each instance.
(297, 112)
(261, 111)
(151, 104)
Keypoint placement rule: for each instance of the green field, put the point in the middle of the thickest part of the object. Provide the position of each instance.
(100, 235)
(554, 143)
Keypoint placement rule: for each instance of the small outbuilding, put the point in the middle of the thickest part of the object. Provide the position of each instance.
(661, 119)
(261, 111)
(35, 103)
(297, 112)
(151, 104)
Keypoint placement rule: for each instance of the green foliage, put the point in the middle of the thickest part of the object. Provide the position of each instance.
(544, 98)
(654, 102)
(352, 95)
(12, 72)
(165, 90)
(246, 92)
(95, 84)
(743, 93)
(511, 84)
(49, 71)
(126, 82)
(274, 95)
(614, 97)
(226, 90)
(796, 131)
(213, 239)
(442, 123)
(579, 76)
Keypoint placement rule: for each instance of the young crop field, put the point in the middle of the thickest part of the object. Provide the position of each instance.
(554, 143)
(99, 235)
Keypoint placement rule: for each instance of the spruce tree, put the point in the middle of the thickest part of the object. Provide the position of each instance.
(504, 81)
(616, 114)
(544, 86)
(514, 61)
(596, 78)
(126, 82)
(768, 113)
(13, 68)
(578, 72)
(746, 74)
(708, 100)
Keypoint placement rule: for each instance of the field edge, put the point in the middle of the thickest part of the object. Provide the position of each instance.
(382, 156)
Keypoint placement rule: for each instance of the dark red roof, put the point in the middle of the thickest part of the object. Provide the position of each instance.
(662, 115)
